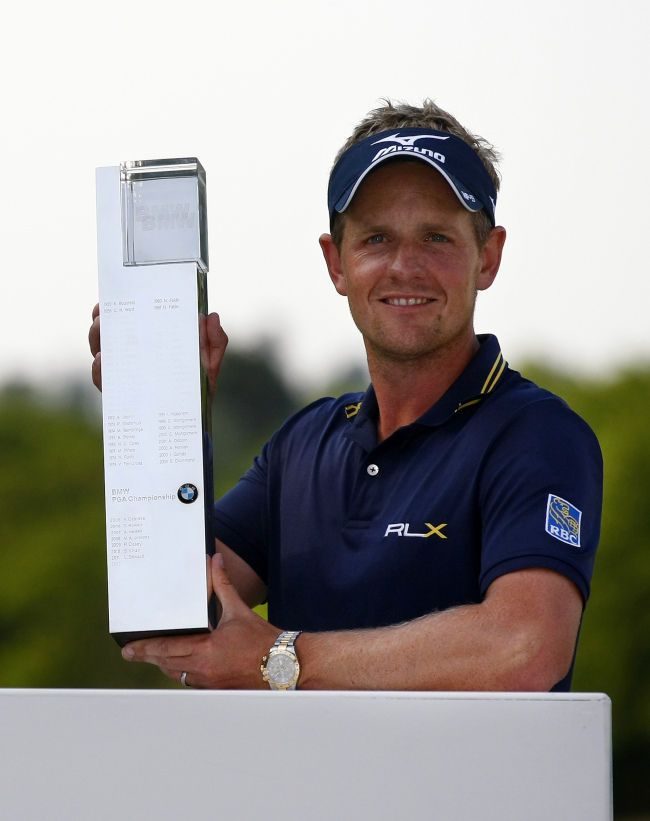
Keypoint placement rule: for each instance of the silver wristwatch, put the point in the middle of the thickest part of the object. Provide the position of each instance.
(281, 668)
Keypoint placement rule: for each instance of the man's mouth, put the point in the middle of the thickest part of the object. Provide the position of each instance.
(409, 300)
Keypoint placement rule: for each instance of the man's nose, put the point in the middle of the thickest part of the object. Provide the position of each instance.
(408, 261)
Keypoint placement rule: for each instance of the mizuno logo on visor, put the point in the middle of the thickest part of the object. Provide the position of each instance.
(395, 138)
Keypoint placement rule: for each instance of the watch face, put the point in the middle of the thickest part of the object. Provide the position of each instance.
(281, 668)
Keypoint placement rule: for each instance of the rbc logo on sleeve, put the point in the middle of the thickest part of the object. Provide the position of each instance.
(563, 520)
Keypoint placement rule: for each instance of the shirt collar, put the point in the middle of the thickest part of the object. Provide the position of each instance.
(484, 372)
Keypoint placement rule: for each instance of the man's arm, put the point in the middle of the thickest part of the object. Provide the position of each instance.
(521, 637)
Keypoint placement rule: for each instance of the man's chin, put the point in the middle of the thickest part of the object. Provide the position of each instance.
(414, 352)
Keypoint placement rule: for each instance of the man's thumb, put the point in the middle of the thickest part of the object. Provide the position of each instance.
(223, 587)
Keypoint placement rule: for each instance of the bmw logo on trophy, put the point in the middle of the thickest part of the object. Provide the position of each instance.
(153, 260)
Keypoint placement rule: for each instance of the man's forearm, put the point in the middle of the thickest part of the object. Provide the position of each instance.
(522, 637)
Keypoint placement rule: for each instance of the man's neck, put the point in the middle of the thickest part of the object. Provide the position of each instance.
(407, 389)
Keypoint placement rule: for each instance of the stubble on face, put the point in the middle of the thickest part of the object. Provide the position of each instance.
(416, 344)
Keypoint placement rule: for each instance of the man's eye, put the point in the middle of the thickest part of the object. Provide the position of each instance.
(437, 238)
(375, 239)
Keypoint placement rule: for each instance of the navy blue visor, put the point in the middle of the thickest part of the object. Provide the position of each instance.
(458, 163)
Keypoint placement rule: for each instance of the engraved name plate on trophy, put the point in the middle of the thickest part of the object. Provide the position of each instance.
(153, 260)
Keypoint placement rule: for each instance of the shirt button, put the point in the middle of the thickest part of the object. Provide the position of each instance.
(373, 470)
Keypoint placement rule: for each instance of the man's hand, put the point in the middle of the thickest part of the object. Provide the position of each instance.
(94, 342)
(227, 658)
(212, 342)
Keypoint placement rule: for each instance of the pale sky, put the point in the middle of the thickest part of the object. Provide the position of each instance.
(264, 93)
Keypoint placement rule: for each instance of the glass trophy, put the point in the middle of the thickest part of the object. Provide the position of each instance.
(153, 260)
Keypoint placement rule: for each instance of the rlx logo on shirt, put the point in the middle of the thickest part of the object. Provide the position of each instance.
(402, 529)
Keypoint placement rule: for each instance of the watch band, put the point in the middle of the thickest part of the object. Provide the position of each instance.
(286, 640)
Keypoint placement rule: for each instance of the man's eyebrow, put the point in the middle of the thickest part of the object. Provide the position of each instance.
(425, 227)
(371, 228)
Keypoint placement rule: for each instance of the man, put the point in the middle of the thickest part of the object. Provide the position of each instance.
(439, 531)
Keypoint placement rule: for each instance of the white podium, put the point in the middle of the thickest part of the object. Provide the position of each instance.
(103, 755)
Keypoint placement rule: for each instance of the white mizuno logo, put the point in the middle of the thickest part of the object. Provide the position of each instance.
(395, 138)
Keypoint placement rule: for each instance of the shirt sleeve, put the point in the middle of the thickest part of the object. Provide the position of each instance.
(541, 495)
(241, 517)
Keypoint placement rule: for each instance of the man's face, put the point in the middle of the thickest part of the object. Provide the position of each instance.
(410, 264)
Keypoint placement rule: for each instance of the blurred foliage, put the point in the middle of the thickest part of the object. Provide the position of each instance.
(53, 607)
(614, 649)
(252, 401)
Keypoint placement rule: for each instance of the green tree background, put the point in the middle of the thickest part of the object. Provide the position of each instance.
(53, 604)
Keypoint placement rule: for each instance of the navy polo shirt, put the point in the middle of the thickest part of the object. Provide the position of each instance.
(497, 476)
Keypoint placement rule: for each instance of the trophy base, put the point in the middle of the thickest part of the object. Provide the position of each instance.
(125, 638)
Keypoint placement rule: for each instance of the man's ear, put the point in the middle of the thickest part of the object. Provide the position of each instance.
(491, 258)
(333, 262)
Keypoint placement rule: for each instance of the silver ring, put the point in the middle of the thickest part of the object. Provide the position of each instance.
(184, 680)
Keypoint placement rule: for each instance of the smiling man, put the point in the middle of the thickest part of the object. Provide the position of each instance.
(439, 531)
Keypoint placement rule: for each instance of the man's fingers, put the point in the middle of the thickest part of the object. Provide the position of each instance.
(213, 341)
(96, 371)
(95, 344)
(159, 651)
(217, 337)
(94, 337)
